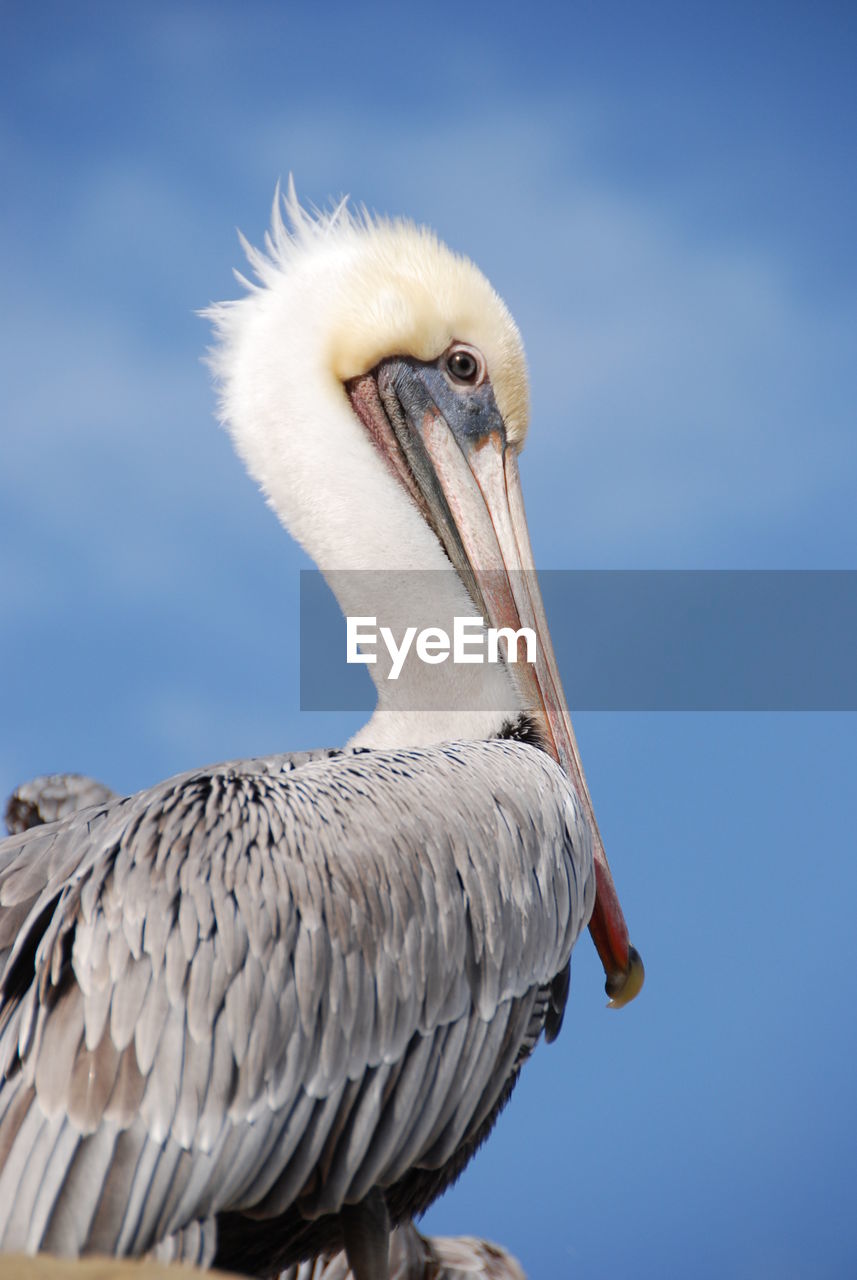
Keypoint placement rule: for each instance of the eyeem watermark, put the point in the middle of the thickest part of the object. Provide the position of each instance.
(472, 642)
(635, 640)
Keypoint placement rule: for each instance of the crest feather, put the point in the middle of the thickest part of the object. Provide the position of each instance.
(347, 289)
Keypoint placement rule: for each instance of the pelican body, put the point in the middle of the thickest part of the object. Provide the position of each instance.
(268, 1009)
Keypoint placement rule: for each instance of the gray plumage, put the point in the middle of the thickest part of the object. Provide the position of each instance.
(417, 1257)
(53, 796)
(264, 990)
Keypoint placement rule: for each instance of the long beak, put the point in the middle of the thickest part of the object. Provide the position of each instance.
(471, 493)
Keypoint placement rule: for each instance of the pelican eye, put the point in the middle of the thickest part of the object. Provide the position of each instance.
(464, 366)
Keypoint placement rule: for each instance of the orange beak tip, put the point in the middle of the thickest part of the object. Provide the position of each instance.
(623, 987)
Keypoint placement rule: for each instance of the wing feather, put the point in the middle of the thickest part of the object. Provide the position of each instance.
(128, 1091)
(441, 1069)
(91, 1084)
(150, 1024)
(129, 996)
(283, 978)
(391, 1119)
(83, 1179)
(61, 1036)
(29, 1179)
(152, 1225)
(143, 1159)
(50, 1184)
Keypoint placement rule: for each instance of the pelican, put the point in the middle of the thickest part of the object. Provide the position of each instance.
(269, 1009)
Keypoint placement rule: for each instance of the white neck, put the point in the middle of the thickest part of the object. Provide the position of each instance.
(332, 491)
(426, 702)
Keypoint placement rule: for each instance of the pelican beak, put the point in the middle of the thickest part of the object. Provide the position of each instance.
(513, 599)
(448, 447)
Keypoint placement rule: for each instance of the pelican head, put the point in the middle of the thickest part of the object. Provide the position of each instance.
(375, 385)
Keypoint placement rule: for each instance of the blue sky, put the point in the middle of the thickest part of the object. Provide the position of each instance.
(666, 199)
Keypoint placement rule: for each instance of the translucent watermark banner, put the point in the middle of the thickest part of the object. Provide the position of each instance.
(624, 640)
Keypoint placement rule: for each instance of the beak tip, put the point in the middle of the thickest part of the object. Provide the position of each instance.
(623, 987)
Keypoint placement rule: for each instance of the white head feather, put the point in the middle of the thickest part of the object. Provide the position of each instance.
(336, 294)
